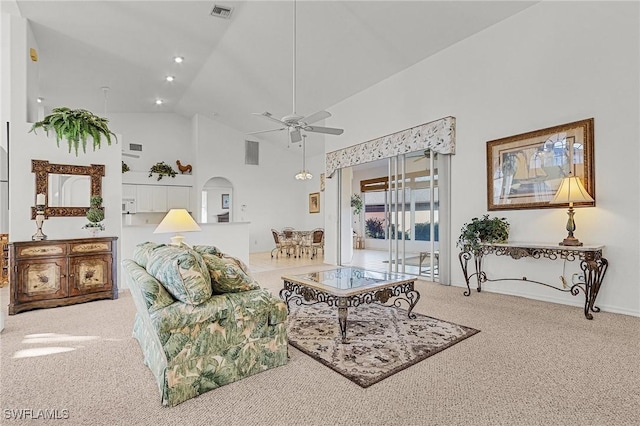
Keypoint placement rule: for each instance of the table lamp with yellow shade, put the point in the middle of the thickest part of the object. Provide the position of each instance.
(177, 221)
(571, 191)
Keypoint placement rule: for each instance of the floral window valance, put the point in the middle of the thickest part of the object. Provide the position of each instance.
(438, 135)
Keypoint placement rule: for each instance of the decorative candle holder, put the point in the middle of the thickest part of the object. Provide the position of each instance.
(39, 235)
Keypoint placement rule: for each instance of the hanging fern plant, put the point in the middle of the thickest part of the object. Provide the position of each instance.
(76, 126)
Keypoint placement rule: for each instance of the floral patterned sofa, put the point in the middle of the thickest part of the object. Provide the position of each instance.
(202, 321)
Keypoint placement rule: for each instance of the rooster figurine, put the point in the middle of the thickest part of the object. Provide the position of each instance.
(183, 169)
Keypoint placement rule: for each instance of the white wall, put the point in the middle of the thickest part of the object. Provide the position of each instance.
(315, 165)
(553, 63)
(164, 137)
(33, 72)
(269, 192)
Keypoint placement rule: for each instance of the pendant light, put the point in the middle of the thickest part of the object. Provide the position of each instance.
(304, 174)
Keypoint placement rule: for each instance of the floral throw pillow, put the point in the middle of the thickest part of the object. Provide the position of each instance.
(208, 250)
(227, 276)
(182, 272)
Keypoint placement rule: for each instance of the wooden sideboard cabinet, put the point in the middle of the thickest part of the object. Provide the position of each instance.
(47, 274)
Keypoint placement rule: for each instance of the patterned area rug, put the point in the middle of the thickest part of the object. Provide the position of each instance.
(381, 341)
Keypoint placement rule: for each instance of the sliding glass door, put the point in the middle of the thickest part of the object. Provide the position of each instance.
(398, 228)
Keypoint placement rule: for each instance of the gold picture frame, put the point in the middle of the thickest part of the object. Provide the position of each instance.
(314, 202)
(524, 171)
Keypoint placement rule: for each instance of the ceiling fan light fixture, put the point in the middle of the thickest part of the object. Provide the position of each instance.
(304, 175)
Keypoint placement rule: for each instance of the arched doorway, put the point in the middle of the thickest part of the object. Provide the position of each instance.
(217, 201)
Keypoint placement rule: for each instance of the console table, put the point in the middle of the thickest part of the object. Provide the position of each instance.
(592, 264)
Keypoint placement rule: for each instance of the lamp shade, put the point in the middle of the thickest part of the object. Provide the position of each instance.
(571, 191)
(176, 221)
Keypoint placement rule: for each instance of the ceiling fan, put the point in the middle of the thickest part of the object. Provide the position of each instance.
(295, 123)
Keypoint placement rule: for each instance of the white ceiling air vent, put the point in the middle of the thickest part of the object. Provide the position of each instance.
(133, 148)
(221, 11)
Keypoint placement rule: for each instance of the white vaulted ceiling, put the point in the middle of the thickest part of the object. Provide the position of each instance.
(242, 65)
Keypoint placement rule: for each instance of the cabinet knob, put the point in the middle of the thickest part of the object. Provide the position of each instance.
(62, 276)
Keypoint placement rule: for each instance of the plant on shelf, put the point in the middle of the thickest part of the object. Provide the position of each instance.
(483, 230)
(356, 204)
(76, 126)
(162, 169)
(125, 167)
(95, 215)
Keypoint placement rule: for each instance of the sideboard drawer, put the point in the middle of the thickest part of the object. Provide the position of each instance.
(41, 250)
(90, 247)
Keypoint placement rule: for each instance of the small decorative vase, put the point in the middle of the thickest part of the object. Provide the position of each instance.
(94, 232)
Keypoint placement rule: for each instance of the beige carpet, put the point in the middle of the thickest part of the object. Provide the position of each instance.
(534, 363)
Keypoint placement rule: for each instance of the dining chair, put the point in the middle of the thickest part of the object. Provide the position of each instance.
(317, 241)
(289, 237)
(281, 244)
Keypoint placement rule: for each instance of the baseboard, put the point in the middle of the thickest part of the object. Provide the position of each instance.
(579, 302)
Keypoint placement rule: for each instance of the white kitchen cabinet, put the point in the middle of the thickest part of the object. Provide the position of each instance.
(151, 199)
(178, 197)
(129, 192)
(157, 198)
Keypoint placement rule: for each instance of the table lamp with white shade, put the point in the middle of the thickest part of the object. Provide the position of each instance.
(177, 221)
(571, 191)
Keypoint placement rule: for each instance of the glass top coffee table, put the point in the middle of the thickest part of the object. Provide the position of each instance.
(347, 287)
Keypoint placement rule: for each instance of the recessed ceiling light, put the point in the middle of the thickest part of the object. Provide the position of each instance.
(170, 78)
(178, 59)
(159, 101)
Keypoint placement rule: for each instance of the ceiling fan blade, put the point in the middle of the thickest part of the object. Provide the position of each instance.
(268, 116)
(327, 130)
(295, 136)
(265, 131)
(316, 116)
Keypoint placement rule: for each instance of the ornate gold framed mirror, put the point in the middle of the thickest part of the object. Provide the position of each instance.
(67, 187)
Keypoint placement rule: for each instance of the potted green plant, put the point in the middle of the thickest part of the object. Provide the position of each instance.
(95, 216)
(483, 230)
(356, 204)
(162, 169)
(76, 126)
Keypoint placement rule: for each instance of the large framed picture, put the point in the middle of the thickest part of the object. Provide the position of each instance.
(524, 171)
(314, 202)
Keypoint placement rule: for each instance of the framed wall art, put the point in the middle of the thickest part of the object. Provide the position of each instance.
(225, 201)
(524, 171)
(314, 202)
